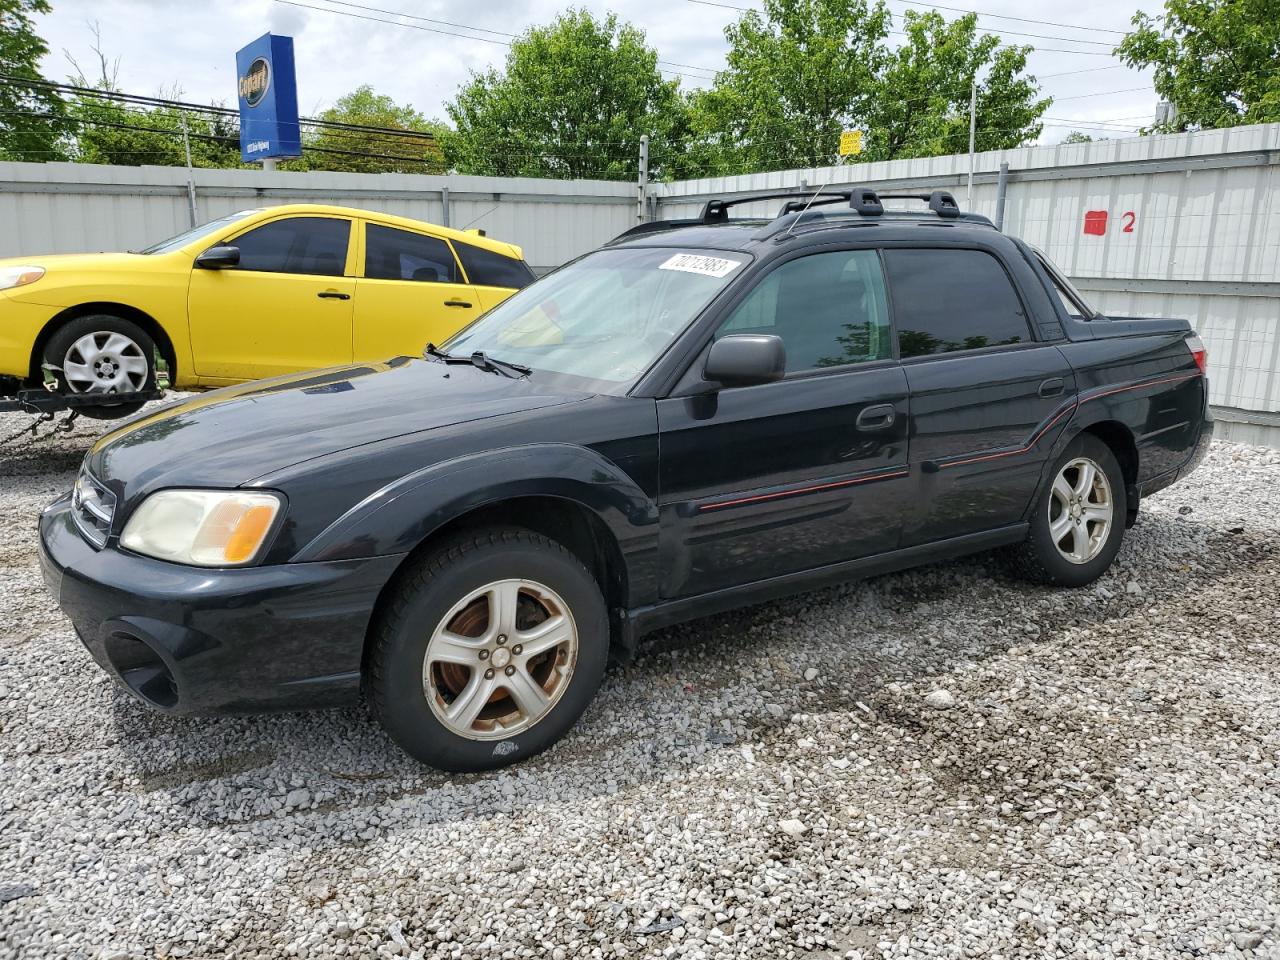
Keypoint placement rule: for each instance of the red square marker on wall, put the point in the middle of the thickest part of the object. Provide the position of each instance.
(1095, 222)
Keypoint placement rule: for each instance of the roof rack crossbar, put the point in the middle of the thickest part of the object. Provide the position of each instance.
(717, 211)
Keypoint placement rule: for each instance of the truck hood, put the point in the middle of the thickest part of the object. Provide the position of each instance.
(231, 436)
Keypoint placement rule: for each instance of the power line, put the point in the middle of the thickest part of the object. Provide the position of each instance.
(1005, 16)
(462, 36)
(114, 95)
(903, 33)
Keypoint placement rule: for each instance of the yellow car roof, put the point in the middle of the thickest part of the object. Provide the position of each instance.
(390, 219)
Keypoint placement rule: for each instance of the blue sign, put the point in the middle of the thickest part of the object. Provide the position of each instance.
(268, 93)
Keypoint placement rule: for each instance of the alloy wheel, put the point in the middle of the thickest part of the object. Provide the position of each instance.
(500, 659)
(1081, 510)
(105, 362)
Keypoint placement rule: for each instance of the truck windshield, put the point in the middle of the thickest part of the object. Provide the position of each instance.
(604, 318)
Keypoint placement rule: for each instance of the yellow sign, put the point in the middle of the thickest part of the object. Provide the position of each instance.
(850, 142)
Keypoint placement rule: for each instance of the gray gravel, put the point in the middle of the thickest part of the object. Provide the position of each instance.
(943, 763)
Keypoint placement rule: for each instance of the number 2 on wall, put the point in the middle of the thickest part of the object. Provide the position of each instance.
(1129, 218)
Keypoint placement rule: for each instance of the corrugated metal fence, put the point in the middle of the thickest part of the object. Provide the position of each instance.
(75, 208)
(1185, 225)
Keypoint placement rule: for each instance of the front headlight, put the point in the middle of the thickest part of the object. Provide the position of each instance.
(19, 276)
(205, 528)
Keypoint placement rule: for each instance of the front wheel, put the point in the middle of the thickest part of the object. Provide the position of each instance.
(102, 354)
(490, 648)
(1079, 518)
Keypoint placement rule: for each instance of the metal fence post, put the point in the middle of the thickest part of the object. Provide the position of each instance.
(444, 200)
(1002, 186)
(642, 186)
(191, 177)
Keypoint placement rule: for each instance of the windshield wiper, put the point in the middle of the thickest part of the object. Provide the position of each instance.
(482, 361)
(504, 367)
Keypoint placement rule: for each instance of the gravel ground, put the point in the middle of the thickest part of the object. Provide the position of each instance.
(943, 763)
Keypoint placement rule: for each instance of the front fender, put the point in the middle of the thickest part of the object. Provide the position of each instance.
(400, 515)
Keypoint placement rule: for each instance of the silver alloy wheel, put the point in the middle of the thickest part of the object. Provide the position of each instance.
(105, 361)
(1081, 510)
(500, 659)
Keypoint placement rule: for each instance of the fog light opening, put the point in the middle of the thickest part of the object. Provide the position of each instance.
(142, 669)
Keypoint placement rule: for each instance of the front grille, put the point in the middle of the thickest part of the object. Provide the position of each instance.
(92, 506)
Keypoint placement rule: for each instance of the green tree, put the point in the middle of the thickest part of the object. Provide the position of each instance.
(801, 71)
(418, 150)
(116, 133)
(32, 118)
(1075, 136)
(920, 107)
(798, 73)
(1215, 60)
(572, 101)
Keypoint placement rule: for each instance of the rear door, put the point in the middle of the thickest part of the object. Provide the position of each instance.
(286, 307)
(411, 293)
(771, 479)
(987, 398)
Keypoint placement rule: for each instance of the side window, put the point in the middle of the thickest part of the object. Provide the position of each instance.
(310, 245)
(488, 269)
(1067, 295)
(829, 309)
(948, 300)
(392, 254)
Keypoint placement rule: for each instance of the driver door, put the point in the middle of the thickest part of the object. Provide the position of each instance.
(287, 307)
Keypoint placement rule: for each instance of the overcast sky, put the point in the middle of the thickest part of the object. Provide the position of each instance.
(191, 46)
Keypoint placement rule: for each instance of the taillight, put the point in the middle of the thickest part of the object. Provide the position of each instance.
(1198, 352)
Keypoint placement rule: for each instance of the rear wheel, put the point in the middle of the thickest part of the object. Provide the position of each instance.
(490, 649)
(1079, 519)
(102, 354)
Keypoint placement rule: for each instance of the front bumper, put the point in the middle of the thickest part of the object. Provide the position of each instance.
(20, 325)
(190, 640)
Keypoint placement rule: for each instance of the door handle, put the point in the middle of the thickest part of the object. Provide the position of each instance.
(457, 303)
(333, 295)
(1052, 387)
(879, 417)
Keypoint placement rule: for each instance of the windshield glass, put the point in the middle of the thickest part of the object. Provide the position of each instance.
(604, 318)
(195, 233)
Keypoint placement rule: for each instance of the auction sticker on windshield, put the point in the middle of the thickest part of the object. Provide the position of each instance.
(695, 263)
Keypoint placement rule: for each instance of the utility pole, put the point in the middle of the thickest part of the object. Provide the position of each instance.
(191, 177)
(642, 187)
(973, 131)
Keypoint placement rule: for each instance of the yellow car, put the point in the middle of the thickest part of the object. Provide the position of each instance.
(254, 294)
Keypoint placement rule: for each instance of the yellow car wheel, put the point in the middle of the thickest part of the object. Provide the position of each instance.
(102, 354)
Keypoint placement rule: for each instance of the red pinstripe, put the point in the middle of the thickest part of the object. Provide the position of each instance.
(799, 490)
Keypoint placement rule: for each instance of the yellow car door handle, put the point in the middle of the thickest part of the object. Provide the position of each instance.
(333, 295)
(456, 303)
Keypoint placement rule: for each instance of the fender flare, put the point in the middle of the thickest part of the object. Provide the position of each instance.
(399, 516)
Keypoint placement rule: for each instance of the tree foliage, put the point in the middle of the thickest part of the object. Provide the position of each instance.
(32, 118)
(339, 149)
(798, 73)
(1217, 61)
(572, 101)
(801, 71)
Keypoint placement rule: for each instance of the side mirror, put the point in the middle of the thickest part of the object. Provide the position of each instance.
(219, 258)
(744, 359)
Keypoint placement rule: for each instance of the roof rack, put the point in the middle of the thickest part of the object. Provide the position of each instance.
(864, 201)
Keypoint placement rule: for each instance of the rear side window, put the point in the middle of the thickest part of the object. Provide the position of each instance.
(488, 269)
(829, 309)
(309, 245)
(392, 254)
(948, 300)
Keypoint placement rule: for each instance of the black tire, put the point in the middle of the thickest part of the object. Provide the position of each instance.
(62, 341)
(427, 592)
(1039, 558)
